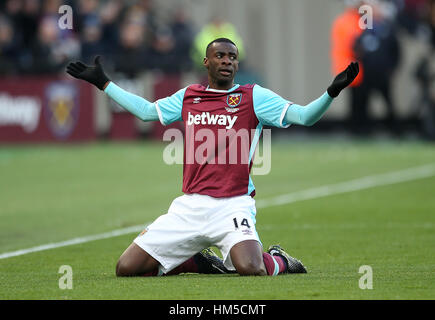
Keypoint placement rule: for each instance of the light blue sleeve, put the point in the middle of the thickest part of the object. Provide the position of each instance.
(309, 114)
(136, 105)
(169, 108)
(269, 107)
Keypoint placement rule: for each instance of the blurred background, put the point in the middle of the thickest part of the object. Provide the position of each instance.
(153, 48)
(357, 188)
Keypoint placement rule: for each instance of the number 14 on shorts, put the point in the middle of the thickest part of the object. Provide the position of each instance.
(244, 222)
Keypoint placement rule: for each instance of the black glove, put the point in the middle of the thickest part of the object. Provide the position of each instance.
(91, 74)
(343, 79)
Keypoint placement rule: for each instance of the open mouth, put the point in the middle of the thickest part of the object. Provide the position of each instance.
(225, 72)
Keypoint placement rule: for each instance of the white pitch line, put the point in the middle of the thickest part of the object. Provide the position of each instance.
(367, 182)
(48, 246)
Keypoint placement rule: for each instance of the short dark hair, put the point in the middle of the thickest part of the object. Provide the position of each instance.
(219, 40)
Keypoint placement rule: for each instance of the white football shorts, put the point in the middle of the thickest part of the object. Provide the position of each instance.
(195, 222)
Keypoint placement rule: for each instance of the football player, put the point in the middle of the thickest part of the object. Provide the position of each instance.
(218, 206)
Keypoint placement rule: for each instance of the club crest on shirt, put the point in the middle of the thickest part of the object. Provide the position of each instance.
(233, 100)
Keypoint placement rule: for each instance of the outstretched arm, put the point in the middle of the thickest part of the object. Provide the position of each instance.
(95, 75)
(141, 108)
(312, 112)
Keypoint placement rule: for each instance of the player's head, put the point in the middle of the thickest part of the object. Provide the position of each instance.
(221, 61)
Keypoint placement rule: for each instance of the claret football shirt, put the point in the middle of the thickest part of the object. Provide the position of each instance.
(222, 129)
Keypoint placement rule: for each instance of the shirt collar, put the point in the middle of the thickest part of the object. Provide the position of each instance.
(229, 90)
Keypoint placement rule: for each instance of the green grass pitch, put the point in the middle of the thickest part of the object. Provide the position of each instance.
(54, 193)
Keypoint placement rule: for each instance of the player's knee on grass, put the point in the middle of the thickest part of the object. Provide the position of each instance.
(124, 269)
(131, 267)
(121, 270)
(247, 258)
(250, 268)
(135, 261)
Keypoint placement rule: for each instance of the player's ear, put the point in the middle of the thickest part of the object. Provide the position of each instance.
(205, 62)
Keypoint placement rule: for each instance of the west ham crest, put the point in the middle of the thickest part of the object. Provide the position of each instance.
(233, 100)
(61, 109)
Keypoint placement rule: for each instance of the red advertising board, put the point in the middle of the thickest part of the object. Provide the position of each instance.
(46, 109)
(123, 124)
(164, 86)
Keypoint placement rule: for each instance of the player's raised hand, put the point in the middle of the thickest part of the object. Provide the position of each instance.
(92, 74)
(343, 79)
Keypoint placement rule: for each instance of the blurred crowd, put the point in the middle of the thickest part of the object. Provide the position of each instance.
(126, 33)
(374, 41)
(130, 35)
(133, 38)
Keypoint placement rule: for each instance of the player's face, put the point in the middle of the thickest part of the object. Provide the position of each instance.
(222, 64)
